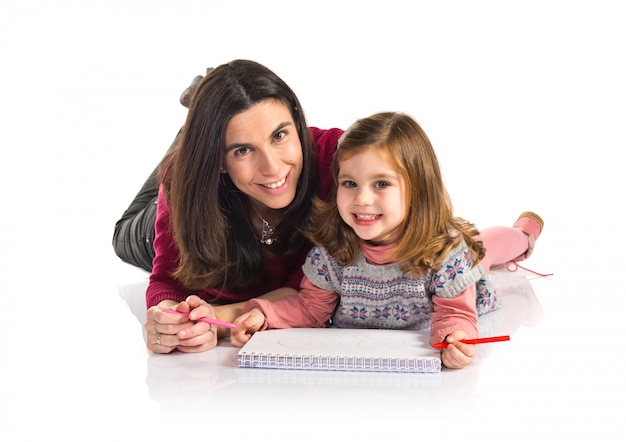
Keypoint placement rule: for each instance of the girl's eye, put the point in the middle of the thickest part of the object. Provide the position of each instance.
(348, 183)
(381, 184)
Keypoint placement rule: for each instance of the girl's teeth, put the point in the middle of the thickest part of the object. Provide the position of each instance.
(366, 217)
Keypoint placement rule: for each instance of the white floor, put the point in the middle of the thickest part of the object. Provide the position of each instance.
(524, 104)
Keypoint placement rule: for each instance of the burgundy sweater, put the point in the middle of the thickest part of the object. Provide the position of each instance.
(281, 271)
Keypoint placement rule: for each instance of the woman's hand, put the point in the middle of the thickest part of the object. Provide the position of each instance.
(169, 331)
(457, 354)
(245, 326)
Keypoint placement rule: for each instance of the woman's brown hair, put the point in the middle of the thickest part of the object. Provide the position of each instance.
(209, 215)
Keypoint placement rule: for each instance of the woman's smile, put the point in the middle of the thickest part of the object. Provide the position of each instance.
(263, 155)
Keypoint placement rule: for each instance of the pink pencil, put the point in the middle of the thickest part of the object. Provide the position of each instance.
(207, 320)
(475, 341)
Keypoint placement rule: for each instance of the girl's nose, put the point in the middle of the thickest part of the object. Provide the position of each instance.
(363, 197)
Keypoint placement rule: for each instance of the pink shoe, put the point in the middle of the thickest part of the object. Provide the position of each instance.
(531, 224)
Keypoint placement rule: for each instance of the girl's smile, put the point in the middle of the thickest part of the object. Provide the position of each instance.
(365, 219)
(370, 195)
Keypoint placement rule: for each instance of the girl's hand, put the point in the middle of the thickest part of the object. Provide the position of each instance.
(457, 354)
(246, 325)
(169, 331)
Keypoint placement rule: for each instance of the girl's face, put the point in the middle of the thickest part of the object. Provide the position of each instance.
(263, 155)
(371, 195)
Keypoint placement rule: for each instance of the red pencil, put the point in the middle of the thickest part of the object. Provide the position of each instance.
(475, 341)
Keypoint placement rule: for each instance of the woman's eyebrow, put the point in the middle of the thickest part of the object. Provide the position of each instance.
(234, 146)
(238, 145)
(282, 126)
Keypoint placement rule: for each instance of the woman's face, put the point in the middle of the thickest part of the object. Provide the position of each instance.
(263, 155)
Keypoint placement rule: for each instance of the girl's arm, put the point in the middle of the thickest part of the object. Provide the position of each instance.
(311, 307)
(230, 312)
(454, 319)
(452, 314)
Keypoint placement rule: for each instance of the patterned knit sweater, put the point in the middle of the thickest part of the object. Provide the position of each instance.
(372, 293)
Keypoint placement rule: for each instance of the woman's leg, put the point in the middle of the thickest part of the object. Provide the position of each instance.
(134, 232)
(507, 244)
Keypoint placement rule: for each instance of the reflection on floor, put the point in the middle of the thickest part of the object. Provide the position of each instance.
(179, 378)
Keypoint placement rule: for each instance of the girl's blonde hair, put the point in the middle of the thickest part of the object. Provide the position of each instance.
(430, 230)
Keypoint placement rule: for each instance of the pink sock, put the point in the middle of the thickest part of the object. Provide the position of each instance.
(503, 244)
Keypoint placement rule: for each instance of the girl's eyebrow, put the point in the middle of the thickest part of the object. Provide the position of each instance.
(377, 177)
(384, 176)
(279, 127)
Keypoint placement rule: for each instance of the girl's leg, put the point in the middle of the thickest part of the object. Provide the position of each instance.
(506, 244)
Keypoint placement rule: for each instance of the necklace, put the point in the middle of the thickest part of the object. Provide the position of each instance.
(267, 234)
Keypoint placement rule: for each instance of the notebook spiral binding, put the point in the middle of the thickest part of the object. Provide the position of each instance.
(354, 363)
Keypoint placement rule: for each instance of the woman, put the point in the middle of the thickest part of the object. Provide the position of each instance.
(236, 193)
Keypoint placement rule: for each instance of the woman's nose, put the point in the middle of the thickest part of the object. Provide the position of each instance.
(270, 163)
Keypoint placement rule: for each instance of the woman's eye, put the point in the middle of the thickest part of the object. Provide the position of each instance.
(280, 135)
(242, 151)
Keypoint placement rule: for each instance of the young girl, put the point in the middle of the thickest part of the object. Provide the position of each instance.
(389, 253)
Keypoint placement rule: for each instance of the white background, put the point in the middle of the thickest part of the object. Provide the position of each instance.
(523, 101)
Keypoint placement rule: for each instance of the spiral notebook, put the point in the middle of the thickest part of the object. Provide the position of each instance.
(340, 349)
